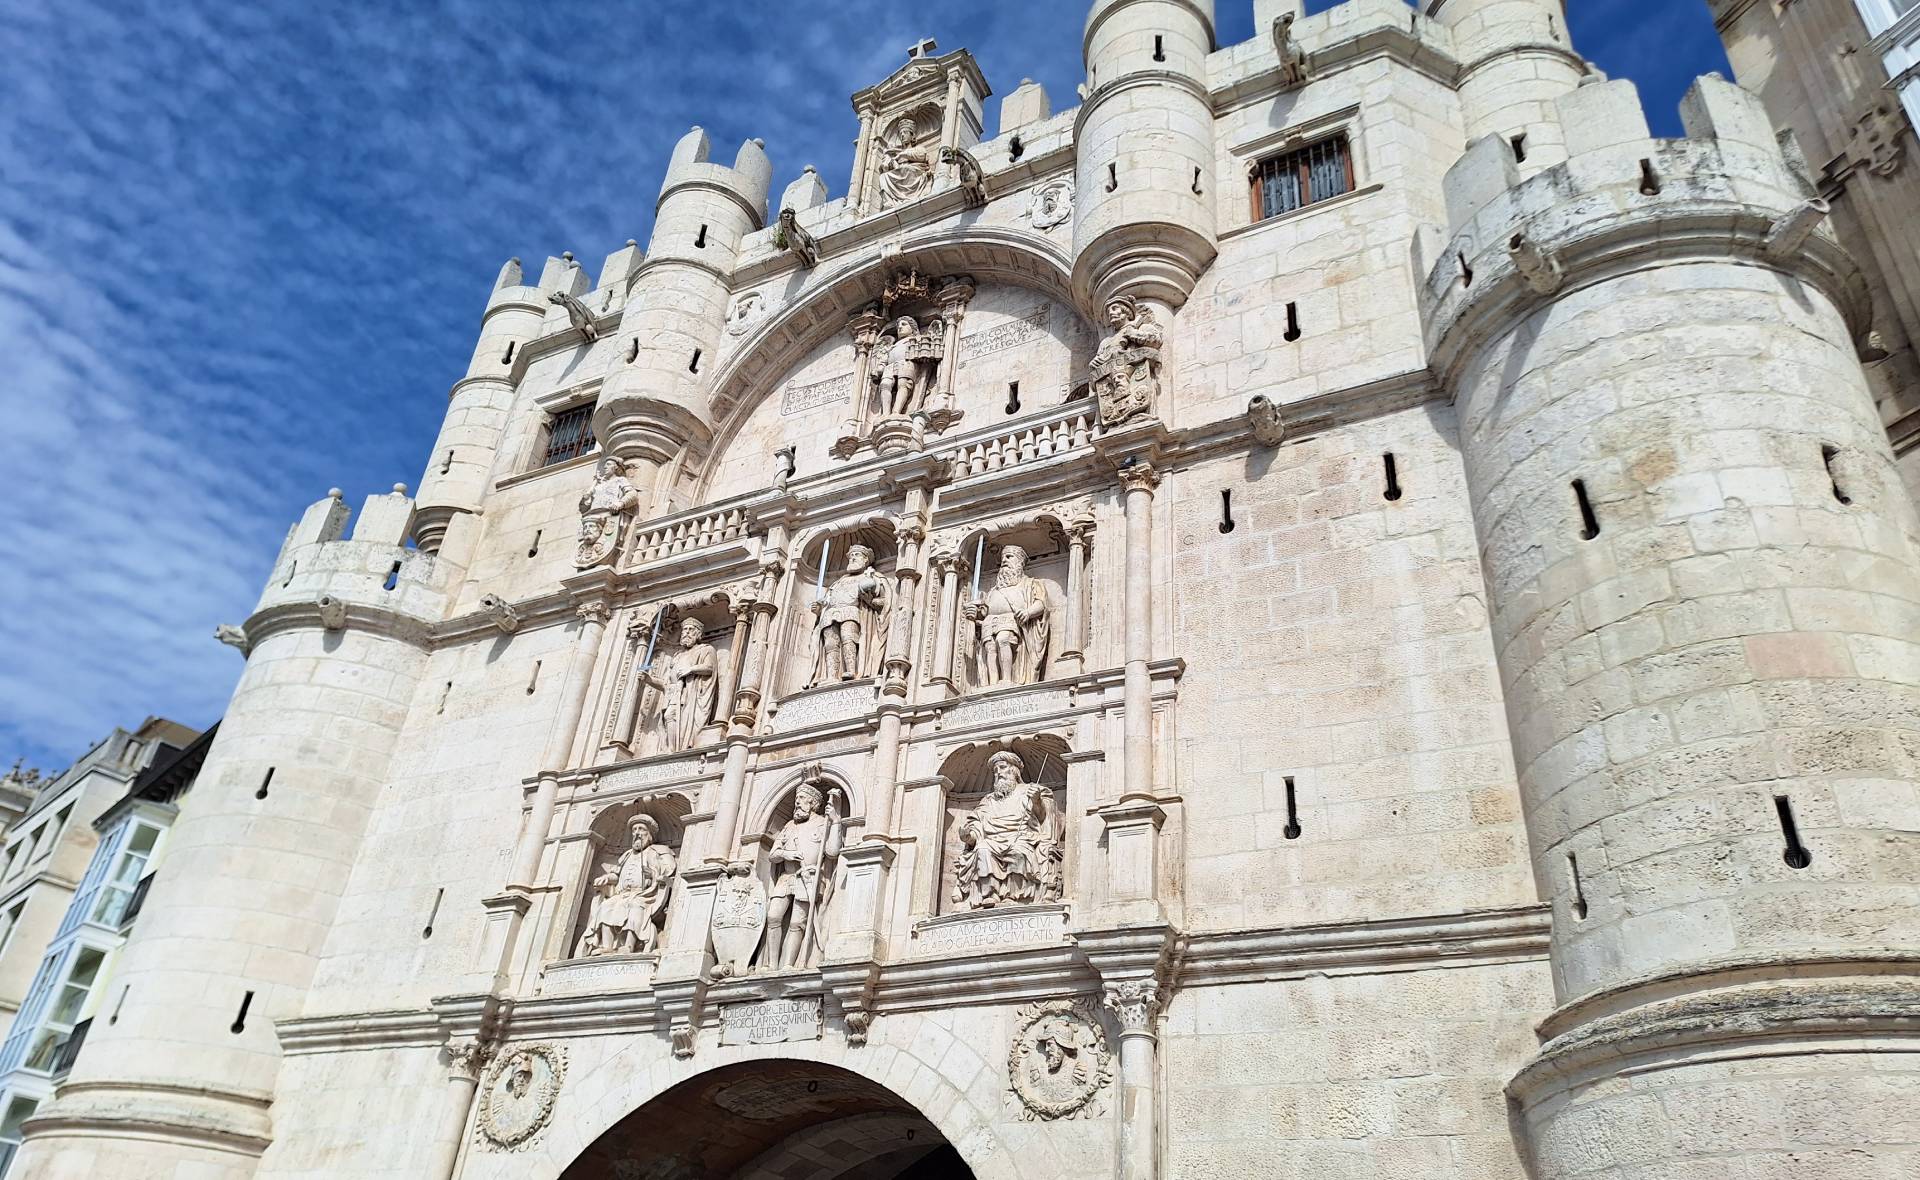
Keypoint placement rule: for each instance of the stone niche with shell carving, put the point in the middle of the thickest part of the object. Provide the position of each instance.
(931, 103)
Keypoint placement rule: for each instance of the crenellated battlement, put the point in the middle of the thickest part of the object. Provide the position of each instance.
(747, 181)
(1624, 200)
(325, 572)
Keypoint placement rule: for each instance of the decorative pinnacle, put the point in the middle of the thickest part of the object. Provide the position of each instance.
(335, 493)
(400, 489)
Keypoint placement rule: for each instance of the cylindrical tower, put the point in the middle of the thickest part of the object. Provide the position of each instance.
(1703, 584)
(1516, 59)
(1143, 210)
(180, 1080)
(656, 401)
(477, 409)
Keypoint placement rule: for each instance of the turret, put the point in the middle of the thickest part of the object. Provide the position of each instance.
(1144, 199)
(655, 401)
(477, 408)
(1515, 60)
(178, 1082)
(1701, 572)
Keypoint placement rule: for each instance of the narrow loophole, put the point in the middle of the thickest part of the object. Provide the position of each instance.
(1797, 856)
(633, 349)
(693, 366)
(393, 577)
(119, 1003)
(1589, 523)
(291, 568)
(1293, 332)
(1466, 272)
(1392, 468)
(446, 464)
(1196, 182)
(1649, 179)
(1292, 830)
(1159, 49)
(444, 694)
(434, 912)
(506, 358)
(1013, 397)
(700, 243)
(1519, 143)
(265, 782)
(533, 550)
(1226, 510)
(1579, 892)
(239, 1024)
(1827, 456)
(1113, 176)
(1015, 148)
(533, 678)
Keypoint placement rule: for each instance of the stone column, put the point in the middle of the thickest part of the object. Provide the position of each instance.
(736, 657)
(573, 701)
(955, 296)
(863, 148)
(466, 1059)
(757, 621)
(896, 665)
(1135, 1004)
(865, 327)
(950, 121)
(951, 567)
(1079, 537)
(1139, 478)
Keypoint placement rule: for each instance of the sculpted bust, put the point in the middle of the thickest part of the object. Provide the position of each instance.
(1010, 850)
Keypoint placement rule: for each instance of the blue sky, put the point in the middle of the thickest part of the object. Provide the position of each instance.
(244, 247)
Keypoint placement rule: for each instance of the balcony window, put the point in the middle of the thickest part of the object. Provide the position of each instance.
(68, 1002)
(117, 895)
(1297, 179)
(19, 1110)
(570, 436)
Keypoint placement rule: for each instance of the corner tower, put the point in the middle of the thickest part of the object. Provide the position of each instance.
(1144, 206)
(1515, 60)
(655, 400)
(1702, 576)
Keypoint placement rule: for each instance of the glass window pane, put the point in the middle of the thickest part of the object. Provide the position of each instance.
(143, 839)
(18, 1111)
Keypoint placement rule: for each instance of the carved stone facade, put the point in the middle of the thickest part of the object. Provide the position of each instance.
(1092, 682)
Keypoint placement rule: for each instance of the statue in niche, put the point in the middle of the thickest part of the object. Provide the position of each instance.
(802, 860)
(1126, 368)
(905, 170)
(605, 510)
(907, 359)
(1010, 851)
(849, 616)
(684, 694)
(1012, 616)
(630, 896)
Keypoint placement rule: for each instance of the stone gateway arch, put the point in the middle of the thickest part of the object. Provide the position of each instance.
(1336, 609)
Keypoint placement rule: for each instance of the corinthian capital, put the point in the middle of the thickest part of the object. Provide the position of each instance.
(1134, 1003)
(466, 1057)
(1138, 475)
(594, 611)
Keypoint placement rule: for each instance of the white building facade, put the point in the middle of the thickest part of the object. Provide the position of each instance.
(1336, 608)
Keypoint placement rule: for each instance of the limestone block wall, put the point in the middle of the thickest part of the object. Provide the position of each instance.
(1516, 59)
(1336, 642)
(1374, 1075)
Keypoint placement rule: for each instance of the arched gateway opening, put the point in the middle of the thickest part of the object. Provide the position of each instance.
(772, 1120)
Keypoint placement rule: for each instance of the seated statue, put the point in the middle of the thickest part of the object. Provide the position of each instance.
(1010, 851)
(630, 896)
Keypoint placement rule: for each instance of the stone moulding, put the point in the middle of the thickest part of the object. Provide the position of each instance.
(1808, 1016)
(194, 1116)
(1509, 935)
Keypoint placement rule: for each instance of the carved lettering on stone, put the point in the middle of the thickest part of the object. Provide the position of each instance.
(768, 1022)
(798, 399)
(1010, 851)
(991, 930)
(1005, 708)
(516, 1101)
(1010, 334)
(1059, 1063)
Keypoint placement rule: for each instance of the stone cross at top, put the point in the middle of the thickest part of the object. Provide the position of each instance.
(921, 48)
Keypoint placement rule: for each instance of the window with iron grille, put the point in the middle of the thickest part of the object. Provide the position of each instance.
(1297, 179)
(570, 436)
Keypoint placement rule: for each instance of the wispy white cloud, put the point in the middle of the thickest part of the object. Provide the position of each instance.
(243, 249)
